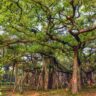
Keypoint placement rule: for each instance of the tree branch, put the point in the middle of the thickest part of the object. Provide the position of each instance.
(86, 30)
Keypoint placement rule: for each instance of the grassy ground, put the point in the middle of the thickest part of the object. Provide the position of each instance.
(59, 92)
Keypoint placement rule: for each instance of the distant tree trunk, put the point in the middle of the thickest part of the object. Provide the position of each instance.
(75, 72)
(82, 77)
(19, 80)
(50, 81)
(51, 73)
(48, 73)
(89, 78)
(45, 72)
(16, 76)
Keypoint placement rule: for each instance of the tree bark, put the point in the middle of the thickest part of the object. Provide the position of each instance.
(79, 79)
(50, 81)
(45, 72)
(75, 72)
(16, 77)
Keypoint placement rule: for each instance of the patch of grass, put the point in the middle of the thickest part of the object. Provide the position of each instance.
(59, 92)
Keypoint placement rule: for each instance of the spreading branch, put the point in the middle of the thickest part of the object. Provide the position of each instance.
(86, 30)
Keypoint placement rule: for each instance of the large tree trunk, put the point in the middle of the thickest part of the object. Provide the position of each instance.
(75, 72)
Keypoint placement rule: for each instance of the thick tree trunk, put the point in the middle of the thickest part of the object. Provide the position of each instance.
(75, 72)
